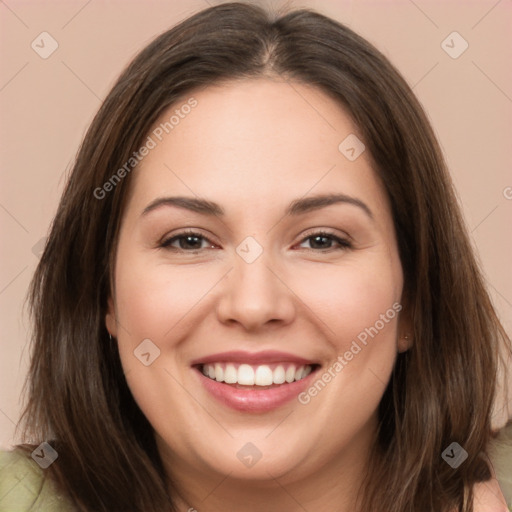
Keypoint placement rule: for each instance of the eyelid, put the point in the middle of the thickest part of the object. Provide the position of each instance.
(344, 241)
(168, 238)
(326, 231)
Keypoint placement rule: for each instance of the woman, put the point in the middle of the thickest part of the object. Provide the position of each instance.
(258, 293)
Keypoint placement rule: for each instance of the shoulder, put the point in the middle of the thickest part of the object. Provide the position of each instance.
(25, 487)
(500, 454)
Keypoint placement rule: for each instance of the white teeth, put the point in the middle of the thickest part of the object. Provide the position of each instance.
(279, 375)
(219, 373)
(290, 374)
(230, 375)
(245, 375)
(263, 376)
(259, 375)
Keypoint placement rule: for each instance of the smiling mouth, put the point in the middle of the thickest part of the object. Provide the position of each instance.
(256, 377)
(255, 382)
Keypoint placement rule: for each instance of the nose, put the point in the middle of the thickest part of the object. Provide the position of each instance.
(255, 294)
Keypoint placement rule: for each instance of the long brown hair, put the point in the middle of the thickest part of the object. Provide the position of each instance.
(441, 390)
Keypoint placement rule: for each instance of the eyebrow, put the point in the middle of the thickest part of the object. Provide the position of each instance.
(296, 207)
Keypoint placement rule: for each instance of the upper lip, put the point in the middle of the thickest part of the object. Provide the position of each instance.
(264, 357)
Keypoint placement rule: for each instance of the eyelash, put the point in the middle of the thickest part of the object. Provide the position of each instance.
(344, 244)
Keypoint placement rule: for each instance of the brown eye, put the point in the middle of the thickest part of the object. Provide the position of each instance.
(188, 241)
(323, 241)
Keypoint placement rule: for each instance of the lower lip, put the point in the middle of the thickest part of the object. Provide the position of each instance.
(254, 400)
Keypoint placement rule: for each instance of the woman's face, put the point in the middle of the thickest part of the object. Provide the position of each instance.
(303, 326)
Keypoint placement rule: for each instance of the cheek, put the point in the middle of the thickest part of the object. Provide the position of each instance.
(153, 300)
(157, 303)
(352, 298)
(359, 305)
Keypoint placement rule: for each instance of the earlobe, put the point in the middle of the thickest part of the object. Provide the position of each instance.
(404, 342)
(405, 331)
(110, 318)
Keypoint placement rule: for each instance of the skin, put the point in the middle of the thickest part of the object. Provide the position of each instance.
(488, 496)
(244, 141)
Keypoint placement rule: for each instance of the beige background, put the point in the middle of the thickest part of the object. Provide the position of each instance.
(47, 104)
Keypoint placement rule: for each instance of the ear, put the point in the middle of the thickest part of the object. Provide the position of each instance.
(110, 318)
(404, 342)
(405, 331)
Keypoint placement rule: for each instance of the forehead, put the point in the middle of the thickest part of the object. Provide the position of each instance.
(254, 139)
